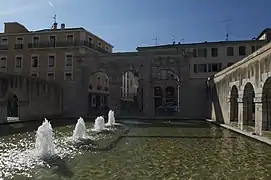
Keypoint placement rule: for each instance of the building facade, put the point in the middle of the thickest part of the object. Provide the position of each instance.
(94, 79)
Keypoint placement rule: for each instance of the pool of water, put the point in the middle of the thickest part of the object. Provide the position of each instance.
(153, 150)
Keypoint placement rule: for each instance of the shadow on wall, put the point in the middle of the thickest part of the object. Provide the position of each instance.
(213, 105)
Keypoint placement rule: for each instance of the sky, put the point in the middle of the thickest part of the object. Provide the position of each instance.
(127, 24)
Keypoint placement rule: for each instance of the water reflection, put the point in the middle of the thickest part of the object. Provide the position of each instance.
(148, 151)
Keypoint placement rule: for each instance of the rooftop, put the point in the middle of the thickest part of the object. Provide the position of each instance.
(197, 44)
(206, 42)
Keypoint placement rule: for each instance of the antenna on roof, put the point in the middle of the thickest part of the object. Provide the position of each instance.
(54, 18)
(156, 43)
(54, 26)
(227, 21)
(173, 40)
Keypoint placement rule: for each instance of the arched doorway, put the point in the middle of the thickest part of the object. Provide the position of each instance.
(266, 105)
(13, 106)
(170, 83)
(158, 97)
(248, 105)
(234, 104)
(170, 94)
(129, 93)
(98, 93)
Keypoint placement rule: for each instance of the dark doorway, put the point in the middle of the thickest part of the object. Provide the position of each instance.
(12, 106)
(234, 104)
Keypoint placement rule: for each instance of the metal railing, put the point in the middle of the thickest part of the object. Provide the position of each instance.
(63, 44)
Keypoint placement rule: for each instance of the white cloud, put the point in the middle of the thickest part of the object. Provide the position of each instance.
(7, 6)
(51, 4)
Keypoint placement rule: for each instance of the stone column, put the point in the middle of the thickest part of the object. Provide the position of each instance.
(148, 107)
(258, 114)
(240, 113)
(229, 99)
(114, 94)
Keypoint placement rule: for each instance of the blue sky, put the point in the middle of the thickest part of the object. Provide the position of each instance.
(127, 24)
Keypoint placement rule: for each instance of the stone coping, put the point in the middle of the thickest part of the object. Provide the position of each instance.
(92, 118)
(248, 134)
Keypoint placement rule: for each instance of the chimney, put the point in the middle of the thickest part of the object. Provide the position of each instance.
(62, 26)
(55, 25)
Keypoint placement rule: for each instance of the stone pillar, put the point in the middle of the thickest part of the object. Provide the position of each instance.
(148, 107)
(114, 95)
(258, 114)
(240, 113)
(229, 110)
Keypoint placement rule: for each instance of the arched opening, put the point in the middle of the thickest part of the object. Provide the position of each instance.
(129, 93)
(98, 93)
(266, 105)
(234, 104)
(170, 94)
(158, 96)
(248, 105)
(13, 106)
(169, 81)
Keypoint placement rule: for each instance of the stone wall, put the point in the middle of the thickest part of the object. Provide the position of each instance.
(35, 98)
(249, 77)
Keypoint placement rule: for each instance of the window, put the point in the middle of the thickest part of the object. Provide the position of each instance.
(19, 43)
(34, 61)
(214, 67)
(4, 40)
(69, 38)
(90, 40)
(68, 76)
(99, 44)
(200, 68)
(50, 75)
(202, 52)
(51, 61)
(255, 48)
(230, 51)
(242, 50)
(214, 52)
(18, 61)
(34, 74)
(68, 60)
(3, 62)
(52, 41)
(194, 53)
(36, 41)
(229, 64)
(19, 40)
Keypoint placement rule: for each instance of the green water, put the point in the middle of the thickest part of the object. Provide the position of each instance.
(152, 151)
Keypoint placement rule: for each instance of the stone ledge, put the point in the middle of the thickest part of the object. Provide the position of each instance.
(247, 134)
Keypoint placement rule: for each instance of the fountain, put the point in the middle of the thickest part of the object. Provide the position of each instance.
(44, 145)
(80, 130)
(111, 118)
(99, 124)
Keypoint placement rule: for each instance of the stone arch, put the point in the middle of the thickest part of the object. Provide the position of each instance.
(249, 105)
(234, 104)
(12, 105)
(266, 105)
(167, 74)
(98, 93)
(169, 80)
